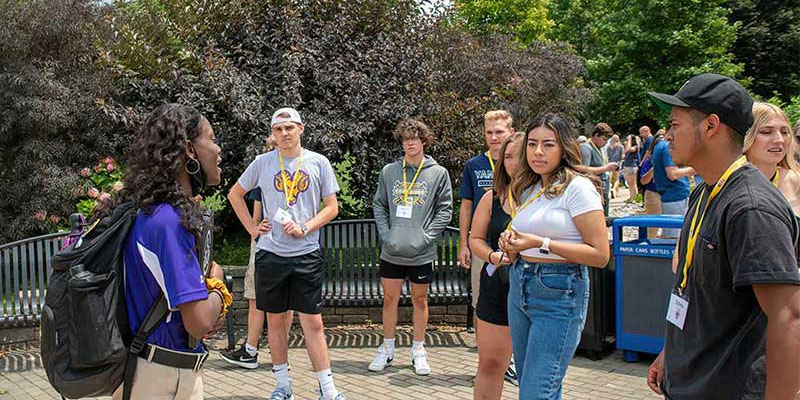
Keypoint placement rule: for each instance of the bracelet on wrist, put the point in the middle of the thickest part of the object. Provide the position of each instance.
(223, 308)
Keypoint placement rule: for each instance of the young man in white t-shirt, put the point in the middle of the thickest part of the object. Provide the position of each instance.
(288, 266)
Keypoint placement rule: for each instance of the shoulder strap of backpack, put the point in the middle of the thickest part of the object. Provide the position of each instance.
(155, 316)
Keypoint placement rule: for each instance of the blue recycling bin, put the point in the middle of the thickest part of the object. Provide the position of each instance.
(643, 282)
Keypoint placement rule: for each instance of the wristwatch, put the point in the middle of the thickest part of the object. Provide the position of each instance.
(545, 247)
(304, 228)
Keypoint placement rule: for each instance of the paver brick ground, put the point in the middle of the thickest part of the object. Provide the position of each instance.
(451, 353)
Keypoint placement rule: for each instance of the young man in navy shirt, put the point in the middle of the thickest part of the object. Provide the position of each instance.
(475, 181)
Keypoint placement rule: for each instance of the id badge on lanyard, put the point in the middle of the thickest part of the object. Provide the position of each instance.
(678, 307)
(404, 211)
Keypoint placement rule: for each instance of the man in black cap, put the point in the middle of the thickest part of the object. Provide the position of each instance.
(733, 329)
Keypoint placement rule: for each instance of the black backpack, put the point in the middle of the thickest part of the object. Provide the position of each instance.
(87, 347)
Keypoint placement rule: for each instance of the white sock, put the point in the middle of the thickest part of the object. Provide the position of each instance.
(388, 345)
(417, 345)
(282, 375)
(250, 349)
(326, 386)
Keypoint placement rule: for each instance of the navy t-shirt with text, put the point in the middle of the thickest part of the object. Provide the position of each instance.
(476, 179)
(160, 257)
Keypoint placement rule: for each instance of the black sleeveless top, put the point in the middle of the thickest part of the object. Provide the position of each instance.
(497, 223)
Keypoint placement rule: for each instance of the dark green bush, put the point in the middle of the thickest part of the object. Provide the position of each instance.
(352, 68)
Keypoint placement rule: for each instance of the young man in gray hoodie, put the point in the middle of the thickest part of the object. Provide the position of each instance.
(413, 205)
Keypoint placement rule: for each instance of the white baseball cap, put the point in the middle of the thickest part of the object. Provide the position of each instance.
(294, 116)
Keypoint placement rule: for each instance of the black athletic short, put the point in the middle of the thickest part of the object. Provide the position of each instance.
(493, 298)
(289, 283)
(415, 273)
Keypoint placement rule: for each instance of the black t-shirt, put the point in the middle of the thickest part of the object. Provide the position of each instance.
(747, 238)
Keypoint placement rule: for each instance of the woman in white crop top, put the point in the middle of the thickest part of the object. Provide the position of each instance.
(555, 234)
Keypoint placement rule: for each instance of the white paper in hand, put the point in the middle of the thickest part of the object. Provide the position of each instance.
(490, 268)
(282, 217)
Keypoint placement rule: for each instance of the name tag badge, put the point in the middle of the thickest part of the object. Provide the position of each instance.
(404, 211)
(490, 268)
(676, 314)
(282, 217)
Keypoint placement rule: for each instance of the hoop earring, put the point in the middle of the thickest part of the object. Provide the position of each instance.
(194, 168)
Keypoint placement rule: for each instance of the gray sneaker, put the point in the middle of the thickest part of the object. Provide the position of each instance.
(282, 393)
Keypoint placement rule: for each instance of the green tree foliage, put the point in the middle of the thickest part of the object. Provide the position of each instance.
(629, 47)
(768, 45)
(654, 45)
(525, 20)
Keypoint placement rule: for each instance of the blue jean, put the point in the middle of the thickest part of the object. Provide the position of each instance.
(673, 208)
(546, 312)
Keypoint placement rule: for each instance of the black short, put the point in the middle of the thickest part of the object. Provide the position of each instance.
(493, 298)
(289, 283)
(415, 273)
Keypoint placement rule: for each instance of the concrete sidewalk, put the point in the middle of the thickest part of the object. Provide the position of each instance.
(451, 353)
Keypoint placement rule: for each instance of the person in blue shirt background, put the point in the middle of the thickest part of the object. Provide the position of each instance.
(172, 157)
(672, 183)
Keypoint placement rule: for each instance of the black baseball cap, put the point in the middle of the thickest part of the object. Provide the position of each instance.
(713, 94)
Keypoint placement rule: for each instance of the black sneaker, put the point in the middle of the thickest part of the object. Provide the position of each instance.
(511, 374)
(240, 357)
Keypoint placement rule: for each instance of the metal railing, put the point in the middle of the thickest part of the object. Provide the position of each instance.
(351, 249)
(25, 266)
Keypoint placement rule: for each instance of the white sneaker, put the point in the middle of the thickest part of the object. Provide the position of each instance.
(420, 362)
(382, 359)
(282, 393)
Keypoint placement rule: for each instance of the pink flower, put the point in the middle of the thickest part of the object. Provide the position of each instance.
(86, 172)
(40, 215)
(93, 193)
(104, 197)
(117, 186)
(110, 167)
(54, 219)
(108, 160)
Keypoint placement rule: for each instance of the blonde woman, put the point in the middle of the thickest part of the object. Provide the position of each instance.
(769, 145)
(490, 220)
(558, 230)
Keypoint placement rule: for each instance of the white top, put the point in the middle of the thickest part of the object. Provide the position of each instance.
(552, 217)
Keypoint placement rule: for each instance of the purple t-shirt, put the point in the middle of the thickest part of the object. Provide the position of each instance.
(160, 257)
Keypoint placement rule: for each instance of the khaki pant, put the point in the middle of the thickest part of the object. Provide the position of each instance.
(652, 206)
(249, 275)
(160, 382)
(475, 275)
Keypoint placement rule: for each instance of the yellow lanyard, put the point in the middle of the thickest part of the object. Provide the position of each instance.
(776, 177)
(491, 162)
(515, 212)
(288, 191)
(511, 202)
(407, 188)
(694, 229)
(602, 156)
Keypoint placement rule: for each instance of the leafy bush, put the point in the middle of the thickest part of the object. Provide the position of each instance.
(50, 125)
(79, 77)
